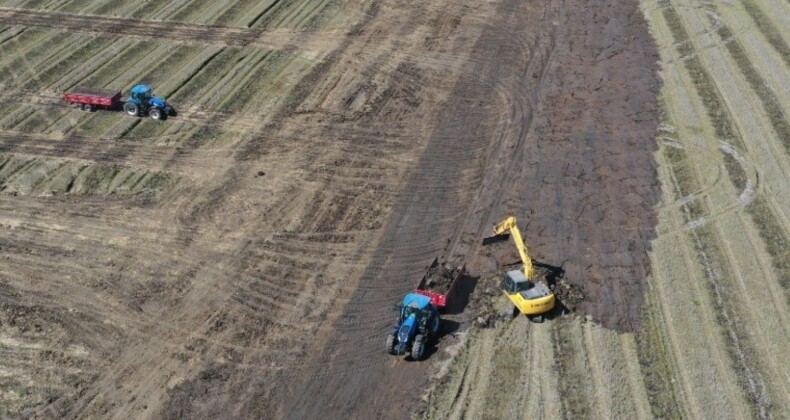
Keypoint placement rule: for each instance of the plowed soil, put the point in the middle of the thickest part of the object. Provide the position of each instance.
(561, 132)
(260, 284)
(439, 279)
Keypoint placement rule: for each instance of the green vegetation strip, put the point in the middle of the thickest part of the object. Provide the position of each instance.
(735, 169)
(703, 82)
(570, 378)
(773, 107)
(30, 175)
(762, 215)
(15, 53)
(507, 373)
(705, 237)
(717, 272)
(76, 58)
(744, 358)
(776, 242)
(768, 29)
(655, 365)
(684, 181)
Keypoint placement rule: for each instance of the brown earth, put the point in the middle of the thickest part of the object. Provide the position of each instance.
(589, 183)
(563, 110)
(439, 279)
(264, 286)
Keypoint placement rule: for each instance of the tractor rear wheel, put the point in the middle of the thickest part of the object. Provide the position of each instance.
(418, 348)
(391, 343)
(156, 113)
(131, 109)
(90, 107)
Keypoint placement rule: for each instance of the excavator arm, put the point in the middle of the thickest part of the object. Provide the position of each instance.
(509, 224)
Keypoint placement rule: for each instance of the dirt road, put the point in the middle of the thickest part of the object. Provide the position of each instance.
(260, 283)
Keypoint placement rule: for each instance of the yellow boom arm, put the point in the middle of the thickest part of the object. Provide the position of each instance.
(510, 224)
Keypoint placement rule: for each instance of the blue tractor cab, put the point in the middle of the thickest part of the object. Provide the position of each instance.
(142, 101)
(418, 322)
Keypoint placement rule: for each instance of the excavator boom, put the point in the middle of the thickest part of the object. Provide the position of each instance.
(510, 224)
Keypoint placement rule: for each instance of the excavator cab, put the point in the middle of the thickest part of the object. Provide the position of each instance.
(530, 298)
(515, 281)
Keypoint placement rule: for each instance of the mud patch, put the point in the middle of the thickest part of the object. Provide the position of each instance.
(205, 395)
(37, 374)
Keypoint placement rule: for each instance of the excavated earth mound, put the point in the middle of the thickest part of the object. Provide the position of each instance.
(439, 279)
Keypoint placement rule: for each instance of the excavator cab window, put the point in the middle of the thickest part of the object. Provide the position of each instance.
(515, 282)
(507, 284)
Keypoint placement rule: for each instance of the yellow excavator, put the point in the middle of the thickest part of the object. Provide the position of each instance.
(530, 297)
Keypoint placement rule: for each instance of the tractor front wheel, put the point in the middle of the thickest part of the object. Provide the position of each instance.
(391, 343)
(131, 109)
(156, 113)
(418, 348)
(437, 326)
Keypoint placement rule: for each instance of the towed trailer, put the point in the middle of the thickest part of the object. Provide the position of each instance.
(440, 282)
(90, 99)
(141, 101)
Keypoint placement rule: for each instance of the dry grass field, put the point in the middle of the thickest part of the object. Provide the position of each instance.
(241, 258)
(713, 337)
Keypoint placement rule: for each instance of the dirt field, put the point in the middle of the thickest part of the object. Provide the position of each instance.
(242, 258)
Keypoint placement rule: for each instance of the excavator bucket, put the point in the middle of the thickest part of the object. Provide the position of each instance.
(510, 226)
(501, 231)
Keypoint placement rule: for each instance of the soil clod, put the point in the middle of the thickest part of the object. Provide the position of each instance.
(439, 279)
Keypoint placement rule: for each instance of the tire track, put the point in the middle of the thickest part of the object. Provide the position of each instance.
(105, 151)
(705, 240)
(724, 272)
(721, 116)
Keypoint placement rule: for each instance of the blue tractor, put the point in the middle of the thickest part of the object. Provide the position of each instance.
(142, 101)
(418, 323)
